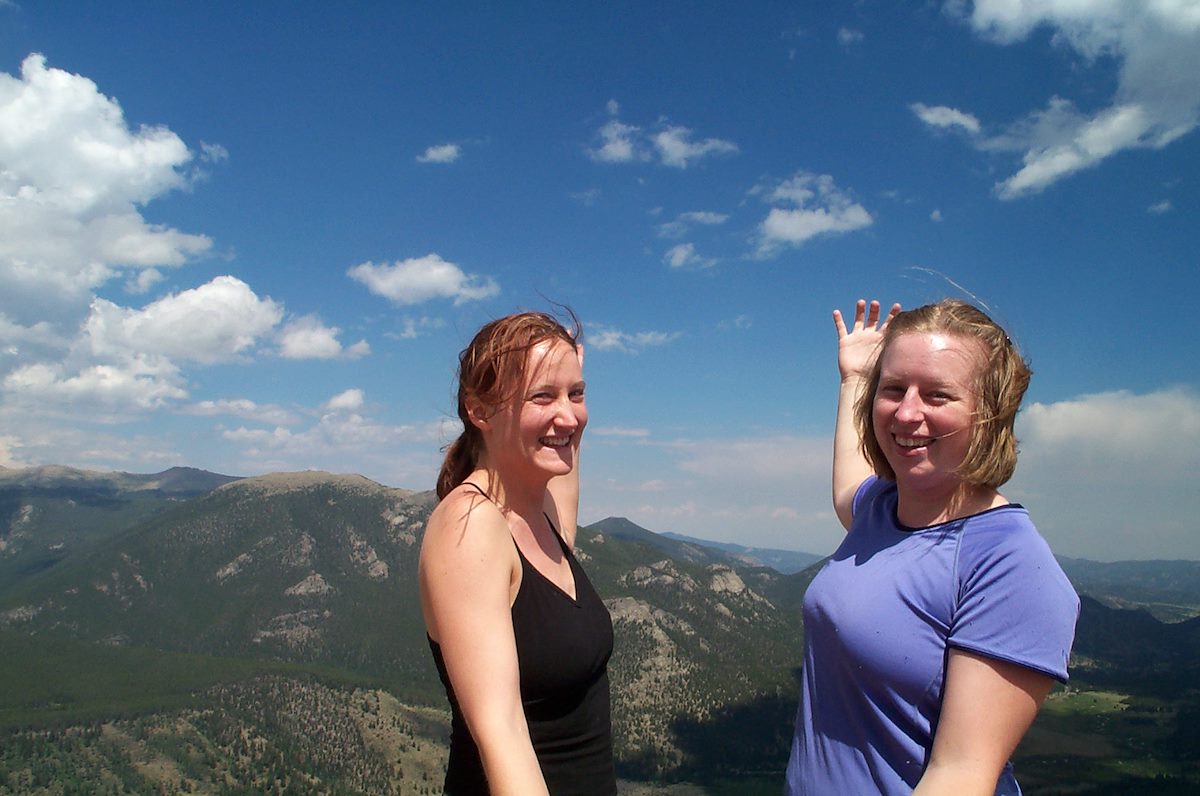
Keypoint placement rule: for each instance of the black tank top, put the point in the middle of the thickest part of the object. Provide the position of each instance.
(563, 647)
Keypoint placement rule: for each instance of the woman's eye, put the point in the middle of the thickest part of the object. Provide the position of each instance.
(576, 395)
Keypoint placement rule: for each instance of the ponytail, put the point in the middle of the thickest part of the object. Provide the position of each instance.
(461, 459)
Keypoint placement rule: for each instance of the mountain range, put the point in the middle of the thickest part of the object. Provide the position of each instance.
(316, 572)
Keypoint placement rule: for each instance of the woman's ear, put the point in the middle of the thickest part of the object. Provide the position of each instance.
(478, 417)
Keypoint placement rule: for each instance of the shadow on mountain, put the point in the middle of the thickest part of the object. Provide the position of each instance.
(746, 741)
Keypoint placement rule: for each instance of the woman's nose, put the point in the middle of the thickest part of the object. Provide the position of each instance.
(910, 407)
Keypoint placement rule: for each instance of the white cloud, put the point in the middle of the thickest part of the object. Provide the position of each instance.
(413, 328)
(345, 441)
(1111, 475)
(936, 215)
(243, 408)
(626, 143)
(309, 338)
(604, 338)
(684, 256)
(139, 384)
(848, 37)
(943, 117)
(8, 452)
(819, 208)
(1158, 208)
(212, 323)
(1157, 98)
(682, 222)
(739, 322)
(442, 153)
(675, 147)
(351, 400)
(422, 279)
(72, 177)
(145, 279)
(213, 153)
(619, 144)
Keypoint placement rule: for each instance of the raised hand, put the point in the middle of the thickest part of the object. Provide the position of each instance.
(858, 347)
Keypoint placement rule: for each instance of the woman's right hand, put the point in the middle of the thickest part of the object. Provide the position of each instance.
(857, 350)
(858, 347)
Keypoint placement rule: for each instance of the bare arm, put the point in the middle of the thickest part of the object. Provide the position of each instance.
(857, 350)
(987, 707)
(467, 579)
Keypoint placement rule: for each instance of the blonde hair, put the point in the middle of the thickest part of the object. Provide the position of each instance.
(491, 369)
(1001, 378)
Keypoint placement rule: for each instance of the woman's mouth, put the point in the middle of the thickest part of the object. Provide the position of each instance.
(913, 442)
(555, 442)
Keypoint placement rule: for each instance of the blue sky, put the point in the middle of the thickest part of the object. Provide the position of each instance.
(252, 237)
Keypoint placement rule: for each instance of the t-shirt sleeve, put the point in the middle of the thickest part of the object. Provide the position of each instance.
(1015, 603)
(865, 491)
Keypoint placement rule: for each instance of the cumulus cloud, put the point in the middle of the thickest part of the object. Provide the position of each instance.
(73, 176)
(139, 384)
(684, 255)
(1110, 476)
(606, 338)
(813, 206)
(351, 400)
(619, 143)
(309, 338)
(943, 117)
(1157, 97)
(212, 323)
(442, 153)
(421, 279)
(673, 145)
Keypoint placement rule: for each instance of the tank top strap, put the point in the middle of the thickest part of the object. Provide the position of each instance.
(476, 487)
(561, 541)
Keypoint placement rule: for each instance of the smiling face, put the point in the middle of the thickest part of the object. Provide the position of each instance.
(536, 434)
(924, 411)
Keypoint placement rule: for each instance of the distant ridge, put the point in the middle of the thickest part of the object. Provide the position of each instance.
(176, 481)
(785, 562)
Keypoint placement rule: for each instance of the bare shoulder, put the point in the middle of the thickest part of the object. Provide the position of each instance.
(464, 521)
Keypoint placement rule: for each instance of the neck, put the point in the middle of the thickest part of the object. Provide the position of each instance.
(915, 510)
(509, 494)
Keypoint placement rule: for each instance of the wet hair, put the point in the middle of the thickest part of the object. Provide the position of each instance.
(491, 370)
(1001, 378)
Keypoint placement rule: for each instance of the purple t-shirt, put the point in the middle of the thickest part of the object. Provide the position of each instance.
(879, 618)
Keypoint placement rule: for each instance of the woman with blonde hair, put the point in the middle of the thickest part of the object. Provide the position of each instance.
(935, 631)
(520, 638)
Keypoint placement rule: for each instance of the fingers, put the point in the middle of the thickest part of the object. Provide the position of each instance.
(864, 318)
(839, 324)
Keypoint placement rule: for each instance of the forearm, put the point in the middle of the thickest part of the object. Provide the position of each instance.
(850, 467)
(511, 766)
(960, 780)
